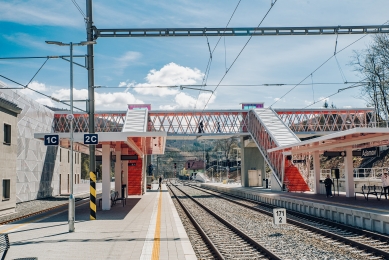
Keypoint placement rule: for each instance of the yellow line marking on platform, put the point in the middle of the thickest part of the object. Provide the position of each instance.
(157, 234)
(38, 219)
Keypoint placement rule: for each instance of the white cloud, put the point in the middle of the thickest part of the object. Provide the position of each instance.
(104, 101)
(127, 59)
(37, 12)
(184, 101)
(169, 75)
(45, 101)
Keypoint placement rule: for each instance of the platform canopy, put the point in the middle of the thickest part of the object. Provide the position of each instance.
(357, 138)
(143, 143)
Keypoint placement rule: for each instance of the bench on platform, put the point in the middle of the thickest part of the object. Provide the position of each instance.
(370, 190)
(4, 245)
(114, 199)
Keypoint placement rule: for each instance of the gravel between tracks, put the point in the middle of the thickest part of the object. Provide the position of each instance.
(293, 242)
(199, 246)
(228, 243)
(29, 207)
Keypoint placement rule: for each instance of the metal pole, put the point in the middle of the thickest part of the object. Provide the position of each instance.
(204, 157)
(91, 90)
(71, 197)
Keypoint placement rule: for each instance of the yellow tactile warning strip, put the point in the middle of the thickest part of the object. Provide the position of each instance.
(157, 234)
(92, 195)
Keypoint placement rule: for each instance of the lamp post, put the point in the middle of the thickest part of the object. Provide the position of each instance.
(70, 117)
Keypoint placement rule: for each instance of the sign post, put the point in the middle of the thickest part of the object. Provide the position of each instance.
(51, 140)
(279, 216)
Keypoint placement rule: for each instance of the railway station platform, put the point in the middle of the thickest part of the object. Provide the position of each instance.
(147, 227)
(369, 214)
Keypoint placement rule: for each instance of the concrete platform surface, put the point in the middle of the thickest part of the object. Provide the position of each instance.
(369, 214)
(147, 227)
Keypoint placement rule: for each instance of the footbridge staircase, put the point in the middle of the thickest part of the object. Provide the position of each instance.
(269, 131)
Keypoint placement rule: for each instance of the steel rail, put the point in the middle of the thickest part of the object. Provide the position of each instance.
(375, 251)
(245, 237)
(202, 233)
(240, 31)
(39, 212)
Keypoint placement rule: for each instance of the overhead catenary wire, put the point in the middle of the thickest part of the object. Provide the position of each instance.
(208, 68)
(355, 85)
(321, 65)
(79, 9)
(240, 52)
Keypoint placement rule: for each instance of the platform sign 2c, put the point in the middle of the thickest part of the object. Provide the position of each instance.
(51, 140)
(91, 139)
(279, 216)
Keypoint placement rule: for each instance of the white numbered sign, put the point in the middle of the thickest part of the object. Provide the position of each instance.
(279, 216)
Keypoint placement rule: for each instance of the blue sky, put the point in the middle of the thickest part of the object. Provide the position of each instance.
(141, 63)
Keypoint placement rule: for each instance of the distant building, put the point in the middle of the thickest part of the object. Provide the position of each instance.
(8, 155)
(194, 166)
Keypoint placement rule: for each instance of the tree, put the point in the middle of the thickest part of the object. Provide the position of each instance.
(226, 146)
(373, 66)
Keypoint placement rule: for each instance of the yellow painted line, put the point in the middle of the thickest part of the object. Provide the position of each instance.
(157, 234)
(38, 219)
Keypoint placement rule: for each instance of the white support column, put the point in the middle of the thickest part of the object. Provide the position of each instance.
(144, 173)
(125, 173)
(316, 172)
(348, 172)
(118, 168)
(106, 190)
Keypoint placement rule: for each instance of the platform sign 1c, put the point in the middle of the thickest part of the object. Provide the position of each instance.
(51, 139)
(279, 216)
(91, 139)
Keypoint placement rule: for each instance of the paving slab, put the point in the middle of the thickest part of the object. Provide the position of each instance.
(120, 233)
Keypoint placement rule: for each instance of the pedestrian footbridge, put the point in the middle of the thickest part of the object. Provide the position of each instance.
(146, 131)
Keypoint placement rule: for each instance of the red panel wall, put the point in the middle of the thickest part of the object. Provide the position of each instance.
(135, 177)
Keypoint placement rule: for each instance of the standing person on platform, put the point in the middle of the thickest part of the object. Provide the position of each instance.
(385, 184)
(160, 183)
(328, 185)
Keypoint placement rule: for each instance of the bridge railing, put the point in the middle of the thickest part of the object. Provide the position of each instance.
(222, 121)
(264, 140)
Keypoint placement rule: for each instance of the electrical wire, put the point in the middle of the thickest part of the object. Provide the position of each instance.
(79, 9)
(208, 68)
(358, 84)
(244, 46)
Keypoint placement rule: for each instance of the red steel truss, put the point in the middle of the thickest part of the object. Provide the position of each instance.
(219, 121)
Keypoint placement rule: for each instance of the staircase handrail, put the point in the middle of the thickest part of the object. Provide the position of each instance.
(264, 152)
(285, 124)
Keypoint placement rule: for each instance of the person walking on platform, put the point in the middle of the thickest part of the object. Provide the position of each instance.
(328, 185)
(160, 183)
(385, 184)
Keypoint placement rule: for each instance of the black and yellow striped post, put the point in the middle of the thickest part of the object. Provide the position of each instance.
(92, 195)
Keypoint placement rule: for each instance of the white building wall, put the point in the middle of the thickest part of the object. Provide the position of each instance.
(8, 154)
(37, 166)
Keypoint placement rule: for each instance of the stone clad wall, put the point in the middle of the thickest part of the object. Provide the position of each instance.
(37, 166)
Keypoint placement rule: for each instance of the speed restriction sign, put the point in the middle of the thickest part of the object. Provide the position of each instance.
(279, 216)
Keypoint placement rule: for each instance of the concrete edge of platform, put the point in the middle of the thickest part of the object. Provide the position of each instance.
(185, 243)
(353, 217)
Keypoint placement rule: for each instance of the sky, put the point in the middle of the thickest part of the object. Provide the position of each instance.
(129, 69)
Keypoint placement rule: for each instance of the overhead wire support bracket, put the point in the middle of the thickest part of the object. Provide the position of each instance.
(240, 31)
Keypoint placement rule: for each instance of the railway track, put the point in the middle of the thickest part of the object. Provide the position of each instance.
(226, 240)
(376, 246)
(352, 246)
(39, 212)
